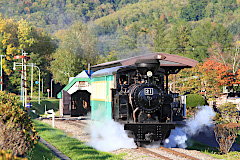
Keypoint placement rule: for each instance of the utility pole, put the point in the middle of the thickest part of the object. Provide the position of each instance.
(2, 73)
(32, 65)
(51, 87)
(22, 89)
(25, 78)
(24, 72)
(39, 83)
(32, 82)
(42, 86)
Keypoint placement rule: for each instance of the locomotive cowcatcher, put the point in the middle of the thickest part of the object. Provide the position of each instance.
(137, 94)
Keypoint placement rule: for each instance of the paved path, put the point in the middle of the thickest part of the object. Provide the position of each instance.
(55, 151)
(208, 137)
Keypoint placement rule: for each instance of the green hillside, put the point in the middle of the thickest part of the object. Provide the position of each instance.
(59, 14)
(66, 35)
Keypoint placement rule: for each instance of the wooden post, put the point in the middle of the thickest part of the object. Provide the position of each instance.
(166, 82)
(174, 79)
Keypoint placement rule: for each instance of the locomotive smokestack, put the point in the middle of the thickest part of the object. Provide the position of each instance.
(145, 65)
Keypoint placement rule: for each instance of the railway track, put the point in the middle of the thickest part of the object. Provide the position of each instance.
(160, 153)
(153, 153)
(78, 123)
(167, 150)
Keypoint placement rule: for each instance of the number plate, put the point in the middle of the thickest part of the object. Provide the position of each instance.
(148, 91)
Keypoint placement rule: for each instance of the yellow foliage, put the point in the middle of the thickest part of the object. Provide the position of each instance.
(26, 9)
(8, 156)
(238, 2)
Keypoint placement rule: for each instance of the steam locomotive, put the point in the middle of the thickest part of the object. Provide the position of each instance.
(135, 93)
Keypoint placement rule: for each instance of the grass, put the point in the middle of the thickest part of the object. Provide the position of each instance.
(77, 150)
(71, 147)
(40, 151)
(50, 104)
(40, 109)
(212, 151)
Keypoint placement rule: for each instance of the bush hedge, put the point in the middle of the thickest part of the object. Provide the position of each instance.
(17, 132)
(194, 100)
(8, 156)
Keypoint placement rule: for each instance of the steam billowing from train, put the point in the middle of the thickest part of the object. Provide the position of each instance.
(178, 136)
(109, 135)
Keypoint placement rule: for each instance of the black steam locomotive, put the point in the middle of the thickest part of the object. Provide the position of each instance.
(140, 97)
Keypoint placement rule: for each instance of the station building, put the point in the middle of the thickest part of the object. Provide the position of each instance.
(74, 98)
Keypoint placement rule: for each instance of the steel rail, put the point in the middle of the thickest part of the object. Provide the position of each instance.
(153, 153)
(178, 153)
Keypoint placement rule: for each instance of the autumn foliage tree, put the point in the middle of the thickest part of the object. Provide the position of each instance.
(18, 35)
(215, 74)
(226, 131)
(206, 78)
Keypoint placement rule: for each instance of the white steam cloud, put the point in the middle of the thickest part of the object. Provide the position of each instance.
(108, 135)
(178, 136)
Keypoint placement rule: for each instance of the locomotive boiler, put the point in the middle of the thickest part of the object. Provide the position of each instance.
(135, 92)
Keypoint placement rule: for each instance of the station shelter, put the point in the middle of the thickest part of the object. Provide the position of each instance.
(74, 98)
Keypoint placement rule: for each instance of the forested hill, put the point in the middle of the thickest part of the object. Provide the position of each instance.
(58, 14)
(74, 33)
(184, 27)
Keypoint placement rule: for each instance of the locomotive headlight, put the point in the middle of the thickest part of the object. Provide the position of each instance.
(149, 74)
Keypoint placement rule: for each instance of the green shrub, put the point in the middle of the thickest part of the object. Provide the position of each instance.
(194, 100)
(8, 156)
(17, 132)
(225, 135)
(227, 113)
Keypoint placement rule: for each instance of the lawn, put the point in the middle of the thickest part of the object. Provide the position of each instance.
(50, 104)
(40, 108)
(40, 151)
(71, 147)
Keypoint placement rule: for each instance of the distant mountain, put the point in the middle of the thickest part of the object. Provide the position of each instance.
(59, 14)
(126, 28)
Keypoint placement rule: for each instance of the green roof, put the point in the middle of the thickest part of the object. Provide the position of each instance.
(69, 85)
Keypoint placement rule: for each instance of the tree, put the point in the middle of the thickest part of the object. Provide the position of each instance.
(18, 36)
(190, 80)
(204, 34)
(77, 49)
(215, 75)
(225, 135)
(195, 10)
(206, 78)
(226, 131)
(230, 57)
(159, 33)
(179, 39)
